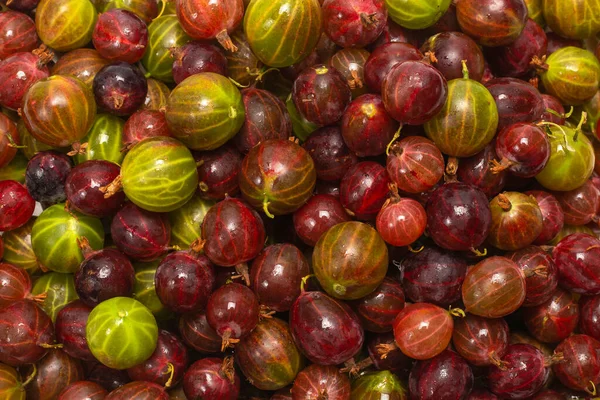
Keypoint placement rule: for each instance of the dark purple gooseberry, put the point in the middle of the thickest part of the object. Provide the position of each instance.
(104, 274)
(120, 88)
(27, 333)
(516, 100)
(450, 48)
(521, 374)
(196, 57)
(553, 320)
(197, 333)
(326, 330)
(589, 318)
(552, 103)
(218, 172)
(45, 177)
(394, 33)
(110, 379)
(143, 124)
(363, 189)
(83, 184)
(445, 376)
(233, 312)
(120, 35)
(231, 224)
(541, 275)
(166, 365)
(354, 23)
(24, 6)
(394, 361)
(580, 206)
(384, 58)
(70, 330)
(319, 381)
(328, 149)
(16, 205)
(577, 258)
(140, 234)
(413, 92)
(433, 275)
(276, 276)
(321, 212)
(458, 216)
(481, 341)
(552, 215)
(212, 378)
(523, 149)
(184, 280)
(477, 170)
(367, 127)
(515, 59)
(580, 366)
(266, 118)
(321, 94)
(378, 310)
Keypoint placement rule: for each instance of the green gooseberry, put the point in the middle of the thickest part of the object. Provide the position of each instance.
(57, 290)
(186, 221)
(55, 237)
(571, 161)
(121, 332)
(103, 141)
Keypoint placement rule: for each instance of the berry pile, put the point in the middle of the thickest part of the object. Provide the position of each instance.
(299, 199)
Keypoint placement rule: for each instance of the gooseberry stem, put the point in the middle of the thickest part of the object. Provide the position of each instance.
(303, 282)
(171, 371)
(457, 312)
(227, 368)
(504, 202)
(266, 208)
(353, 368)
(479, 253)
(30, 376)
(417, 250)
(580, 126)
(242, 270)
(465, 69)
(394, 138)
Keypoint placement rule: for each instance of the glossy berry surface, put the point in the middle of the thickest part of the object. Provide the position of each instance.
(446, 375)
(120, 35)
(16, 205)
(103, 275)
(184, 281)
(46, 175)
(327, 330)
(82, 188)
(364, 189)
(120, 88)
(330, 152)
(458, 216)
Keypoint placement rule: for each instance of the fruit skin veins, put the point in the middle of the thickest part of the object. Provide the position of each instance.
(121, 332)
(282, 32)
(205, 111)
(159, 174)
(576, 19)
(416, 14)
(350, 260)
